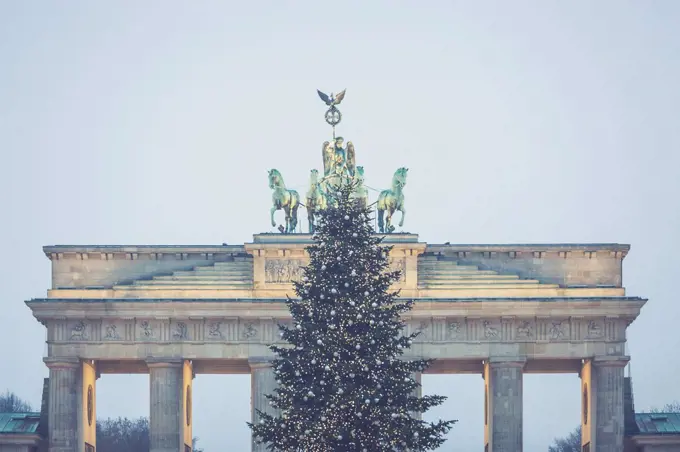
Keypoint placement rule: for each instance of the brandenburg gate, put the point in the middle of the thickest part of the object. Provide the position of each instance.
(498, 311)
(174, 311)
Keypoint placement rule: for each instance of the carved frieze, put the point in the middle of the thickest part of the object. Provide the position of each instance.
(180, 331)
(249, 331)
(525, 330)
(283, 271)
(81, 331)
(399, 264)
(456, 330)
(111, 332)
(215, 329)
(491, 330)
(595, 329)
(148, 330)
(559, 330)
(265, 330)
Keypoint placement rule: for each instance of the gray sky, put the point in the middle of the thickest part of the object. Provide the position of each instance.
(527, 121)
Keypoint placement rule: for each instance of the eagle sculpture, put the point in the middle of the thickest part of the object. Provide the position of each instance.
(332, 100)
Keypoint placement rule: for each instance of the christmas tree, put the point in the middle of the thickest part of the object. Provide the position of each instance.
(342, 385)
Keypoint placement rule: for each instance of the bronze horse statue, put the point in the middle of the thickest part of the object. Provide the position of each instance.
(392, 200)
(316, 200)
(282, 198)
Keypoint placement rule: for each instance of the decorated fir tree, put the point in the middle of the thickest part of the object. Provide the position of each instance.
(342, 383)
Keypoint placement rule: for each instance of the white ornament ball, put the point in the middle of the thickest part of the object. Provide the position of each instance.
(334, 290)
(319, 342)
(339, 258)
(366, 293)
(358, 347)
(374, 304)
(346, 217)
(327, 368)
(323, 267)
(299, 327)
(333, 312)
(355, 235)
(346, 284)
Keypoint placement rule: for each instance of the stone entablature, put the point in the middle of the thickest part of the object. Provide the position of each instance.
(238, 329)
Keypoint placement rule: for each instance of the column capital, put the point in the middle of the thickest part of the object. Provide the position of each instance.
(509, 361)
(610, 361)
(164, 362)
(54, 362)
(259, 362)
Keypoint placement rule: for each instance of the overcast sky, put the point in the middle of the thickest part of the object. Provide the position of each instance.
(155, 122)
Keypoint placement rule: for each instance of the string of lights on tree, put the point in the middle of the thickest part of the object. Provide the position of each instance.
(342, 383)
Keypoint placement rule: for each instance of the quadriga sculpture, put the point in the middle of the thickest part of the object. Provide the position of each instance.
(392, 200)
(283, 199)
(316, 200)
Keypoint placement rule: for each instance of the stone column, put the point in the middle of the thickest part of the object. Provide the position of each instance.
(503, 405)
(166, 389)
(262, 382)
(63, 404)
(602, 414)
(418, 392)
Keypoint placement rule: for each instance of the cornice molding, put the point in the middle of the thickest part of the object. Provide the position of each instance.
(627, 308)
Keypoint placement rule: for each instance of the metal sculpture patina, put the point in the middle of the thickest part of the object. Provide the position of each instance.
(316, 200)
(282, 198)
(333, 115)
(339, 167)
(360, 192)
(392, 200)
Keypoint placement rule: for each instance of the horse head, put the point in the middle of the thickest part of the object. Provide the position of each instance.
(275, 178)
(400, 177)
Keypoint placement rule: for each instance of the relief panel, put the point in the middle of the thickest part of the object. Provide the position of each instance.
(456, 329)
(283, 271)
(491, 330)
(80, 330)
(525, 330)
(148, 330)
(114, 330)
(399, 264)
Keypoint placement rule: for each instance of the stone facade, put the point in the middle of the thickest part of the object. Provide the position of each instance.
(496, 310)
